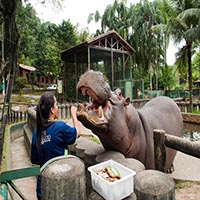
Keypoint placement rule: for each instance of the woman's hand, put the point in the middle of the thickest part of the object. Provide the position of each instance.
(73, 110)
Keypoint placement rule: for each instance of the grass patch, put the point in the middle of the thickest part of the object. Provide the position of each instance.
(184, 184)
(5, 154)
(21, 98)
(196, 112)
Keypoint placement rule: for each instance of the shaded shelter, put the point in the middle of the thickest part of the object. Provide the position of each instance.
(108, 53)
(197, 83)
(25, 71)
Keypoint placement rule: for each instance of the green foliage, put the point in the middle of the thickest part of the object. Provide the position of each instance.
(180, 87)
(185, 26)
(196, 112)
(168, 78)
(83, 36)
(143, 25)
(40, 44)
(20, 83)
(28, 25)
(196, 66)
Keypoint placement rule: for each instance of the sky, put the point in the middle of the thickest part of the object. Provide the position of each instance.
(77, 11)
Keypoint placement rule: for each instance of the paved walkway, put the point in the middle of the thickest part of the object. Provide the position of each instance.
(187, 168)
(20, 159)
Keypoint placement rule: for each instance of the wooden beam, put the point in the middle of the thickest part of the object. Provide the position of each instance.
(163, 140)
(183, 145)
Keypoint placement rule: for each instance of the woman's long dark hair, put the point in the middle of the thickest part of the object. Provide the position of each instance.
(42, 115)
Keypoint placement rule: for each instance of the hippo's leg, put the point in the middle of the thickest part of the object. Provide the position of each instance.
(169, 160)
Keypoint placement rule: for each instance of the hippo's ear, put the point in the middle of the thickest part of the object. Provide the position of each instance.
(127, 101)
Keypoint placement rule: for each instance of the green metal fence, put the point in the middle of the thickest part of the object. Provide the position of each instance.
(7, 177)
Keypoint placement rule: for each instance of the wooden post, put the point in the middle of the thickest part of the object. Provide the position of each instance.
(162, 140)
(183, 145)
(160, 150)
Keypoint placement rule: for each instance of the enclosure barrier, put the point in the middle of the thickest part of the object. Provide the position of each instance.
(18, 111)
(163, 140)
(7, 177)
(92, 153)
(63, 177)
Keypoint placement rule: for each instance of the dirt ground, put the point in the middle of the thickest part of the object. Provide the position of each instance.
(187, 191)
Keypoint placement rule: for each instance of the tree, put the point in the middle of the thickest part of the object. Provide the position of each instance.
(115, 17)
(11, 37)
(196, 66)
(51, 40)
(149, 45)
(40, 44)
(29, 25)
(135, 24)
(184, 24)
(182, 64)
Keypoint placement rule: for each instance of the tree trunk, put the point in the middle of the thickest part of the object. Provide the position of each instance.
(11, 42)
(8, 9)
(189, 56)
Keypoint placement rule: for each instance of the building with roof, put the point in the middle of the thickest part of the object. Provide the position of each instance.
(41, 81)
(25, 70)
(108, 53)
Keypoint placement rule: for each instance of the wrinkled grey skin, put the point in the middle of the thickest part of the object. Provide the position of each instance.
(121, 127)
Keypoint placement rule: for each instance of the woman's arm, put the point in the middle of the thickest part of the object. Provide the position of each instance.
(75, 120)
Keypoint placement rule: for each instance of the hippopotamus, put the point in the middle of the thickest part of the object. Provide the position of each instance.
(123, 128)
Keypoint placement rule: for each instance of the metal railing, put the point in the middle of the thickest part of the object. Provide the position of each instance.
(163, 140)
(7, 177)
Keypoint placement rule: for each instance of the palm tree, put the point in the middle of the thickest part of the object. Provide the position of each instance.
(149, 45)
(115, 17)
(184, 24)
(181, 62)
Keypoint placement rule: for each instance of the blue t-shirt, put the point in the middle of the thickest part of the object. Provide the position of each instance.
(53, 143)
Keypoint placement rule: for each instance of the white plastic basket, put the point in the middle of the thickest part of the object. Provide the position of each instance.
(112, 190)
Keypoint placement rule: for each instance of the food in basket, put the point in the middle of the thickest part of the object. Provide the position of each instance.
(109, 173)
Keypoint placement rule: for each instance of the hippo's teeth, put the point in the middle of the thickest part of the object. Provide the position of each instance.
(100, 111)
(101, 115)
(81, 107)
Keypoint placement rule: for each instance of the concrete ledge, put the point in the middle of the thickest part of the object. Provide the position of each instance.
(16, 130)
(191, 118)
(27, 131)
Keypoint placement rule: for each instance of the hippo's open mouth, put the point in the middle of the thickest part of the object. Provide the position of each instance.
(93, 112)
(96, 101)
(95, 86)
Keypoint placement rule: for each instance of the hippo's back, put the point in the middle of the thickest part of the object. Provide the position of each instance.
(163, 113)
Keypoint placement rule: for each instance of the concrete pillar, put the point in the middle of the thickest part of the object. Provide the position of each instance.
(63, 178)
(107, 155)
(154, 185)
(133, 164)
